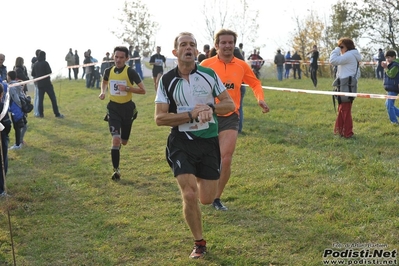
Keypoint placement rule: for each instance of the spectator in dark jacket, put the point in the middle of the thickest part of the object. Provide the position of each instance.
(279, 60)
(70, 59)
(88, 69)
(380, 59)
(77, 61)
(20, 70)
(6, 122)
(296, 58)
(3, 68)
(36, 99)
(314, 57)
(137, 62)
(17, 115)
(42, 68)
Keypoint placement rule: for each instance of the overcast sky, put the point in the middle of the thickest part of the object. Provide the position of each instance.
(56, 26)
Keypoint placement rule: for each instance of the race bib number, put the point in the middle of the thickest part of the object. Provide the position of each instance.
(113, 87)
(192, 126)
(158, 62)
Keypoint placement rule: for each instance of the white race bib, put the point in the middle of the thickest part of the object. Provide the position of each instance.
(113, 87)
(195, 125)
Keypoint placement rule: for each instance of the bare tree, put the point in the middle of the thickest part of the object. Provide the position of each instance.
(309, 32)
(215, 13)
(137, 26)
(246, 21)
(242, 18)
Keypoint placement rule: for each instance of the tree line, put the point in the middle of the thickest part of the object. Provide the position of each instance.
(370, 23)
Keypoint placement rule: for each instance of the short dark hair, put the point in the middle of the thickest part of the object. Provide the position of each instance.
(212, 52)
(201, 57)
(12, 74)
(390, 53)
(122, 49)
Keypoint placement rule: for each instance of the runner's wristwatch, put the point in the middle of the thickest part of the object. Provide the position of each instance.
(211, 105)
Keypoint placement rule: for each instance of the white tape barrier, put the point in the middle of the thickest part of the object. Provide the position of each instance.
(28, 81)
(99, 63)
(7, 96)
(349, 94)
(303, 62)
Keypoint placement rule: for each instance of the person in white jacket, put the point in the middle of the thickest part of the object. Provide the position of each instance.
(346, 58)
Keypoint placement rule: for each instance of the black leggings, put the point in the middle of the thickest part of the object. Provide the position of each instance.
(313, 75)
(18, 125)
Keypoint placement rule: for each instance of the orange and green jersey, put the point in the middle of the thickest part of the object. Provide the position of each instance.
(233, 74)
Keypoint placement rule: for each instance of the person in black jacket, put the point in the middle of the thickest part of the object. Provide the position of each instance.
(391, 79)
(296, 64)
(36, 99)
(20, 70)
(6, 122)
(314, 57)
(42, 68)
(77, 61)
(3, 68)
(380, 69)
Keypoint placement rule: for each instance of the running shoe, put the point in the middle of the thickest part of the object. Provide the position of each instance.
(218, 205)
(199, 250)
(116, 176)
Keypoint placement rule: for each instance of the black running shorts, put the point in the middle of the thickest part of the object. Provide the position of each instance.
(120, 118)
(200, 157)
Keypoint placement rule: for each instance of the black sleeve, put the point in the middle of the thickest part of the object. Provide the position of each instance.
(33, 73)
(21, 75)
(48, 68)
(133, 76)
(106, 74)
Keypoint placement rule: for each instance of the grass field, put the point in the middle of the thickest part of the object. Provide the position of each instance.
(295, 190)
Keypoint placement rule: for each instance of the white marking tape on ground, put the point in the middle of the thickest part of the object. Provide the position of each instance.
(350, 94)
